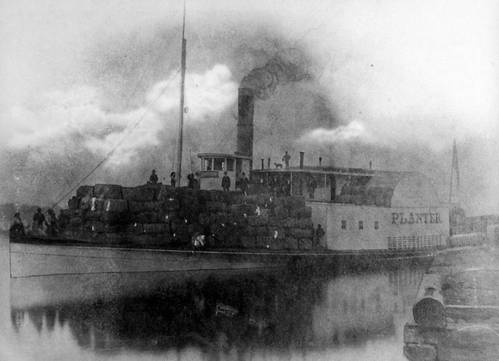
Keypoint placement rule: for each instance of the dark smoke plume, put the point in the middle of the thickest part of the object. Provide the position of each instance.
(277, 71)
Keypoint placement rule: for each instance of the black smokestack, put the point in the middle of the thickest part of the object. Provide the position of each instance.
(246, 110)
(261, 83)
(302, 154)
(264, 80)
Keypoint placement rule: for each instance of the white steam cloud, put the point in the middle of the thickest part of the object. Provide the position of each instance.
(77, 115)
(354, 131)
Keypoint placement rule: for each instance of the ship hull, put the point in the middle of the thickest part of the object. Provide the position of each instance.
(34, 256)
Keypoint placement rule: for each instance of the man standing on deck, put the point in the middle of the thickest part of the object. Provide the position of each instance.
(318, 236)
(51, 223)
(225, 182)
(153, 179)
(285, 158)
(312, 184)
(17, 225)
(38, 222)
(243, 184)
(172, 179)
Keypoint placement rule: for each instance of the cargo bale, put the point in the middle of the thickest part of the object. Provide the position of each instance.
(251, 231)
(135, 228)
(169, 216)
(189, 214)
(248, 209)
(233, 240)
(251, 199)
(225, 197)
(221, 218)
(301, 233)
(114, 218)
(115, 205)
(73, 203)
(146, 217)
(75, 221)
(236, 197)
(165, 192)
(303, 223)
(214, 196)
(154, 228)
(305, 243)
(194, 228)
(265, 212)
(181, 192)
(274, 221)
(257, 220)
(257, 188)
(264, 199)
(295, 201)
(84, 203)
(112, 191)
(145, 193)
(96, 204)
(216, 206)
(262, 230)
(241, 221)
(248, 241)
(204, 219)
(108, 228)
(94, 226)
(277, 244)
(263, 241)
(92, 204)
(290, 243)
(281, 212)
(85, 191)
(304, 212)
(114, 237)
(180, 228)
(138, 207)
(93, 215)
(277, 232)
(170, 204)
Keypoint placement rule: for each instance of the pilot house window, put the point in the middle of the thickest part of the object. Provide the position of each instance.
(230, 164)
(343, 224)
(208, 163)
(361, 225)
(218, 164)
(376, 224)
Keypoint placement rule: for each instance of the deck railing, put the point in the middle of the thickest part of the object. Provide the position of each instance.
(416, 242)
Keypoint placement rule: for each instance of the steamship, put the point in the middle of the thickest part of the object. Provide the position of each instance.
(365, 214)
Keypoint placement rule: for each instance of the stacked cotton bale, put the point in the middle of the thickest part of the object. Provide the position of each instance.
(278, 223)
(149, 216)
(95, 210)
(151, 213)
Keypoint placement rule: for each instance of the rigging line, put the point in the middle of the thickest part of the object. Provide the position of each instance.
(116, 146)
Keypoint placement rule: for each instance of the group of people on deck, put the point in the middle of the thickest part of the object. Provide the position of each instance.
(192, 182)
(242, 183)
(41, 226)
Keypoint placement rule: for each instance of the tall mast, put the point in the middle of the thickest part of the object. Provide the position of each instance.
(181, 118)
(454, 197)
